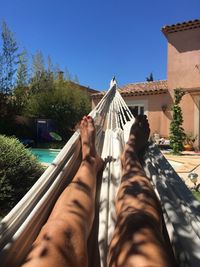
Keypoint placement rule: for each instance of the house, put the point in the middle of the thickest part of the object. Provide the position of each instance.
(183, 71)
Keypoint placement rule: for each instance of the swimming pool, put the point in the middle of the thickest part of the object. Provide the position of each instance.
(45, 155)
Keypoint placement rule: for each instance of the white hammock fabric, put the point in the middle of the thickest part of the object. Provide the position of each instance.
(113, 119)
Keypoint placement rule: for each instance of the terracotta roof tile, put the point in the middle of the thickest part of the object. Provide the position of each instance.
(143, 88)
(191, 24)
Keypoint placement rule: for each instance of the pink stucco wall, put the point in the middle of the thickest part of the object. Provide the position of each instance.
(159, 120)
(184, 59)
(187, 105)
(183, 71)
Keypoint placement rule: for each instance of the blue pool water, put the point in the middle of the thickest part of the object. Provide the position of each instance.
(45, 155)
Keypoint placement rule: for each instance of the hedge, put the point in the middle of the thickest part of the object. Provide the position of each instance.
(19, 170)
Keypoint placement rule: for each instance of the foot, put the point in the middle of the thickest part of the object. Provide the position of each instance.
(88, 134)
(138, 138)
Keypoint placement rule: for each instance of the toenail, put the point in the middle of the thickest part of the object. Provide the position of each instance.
(89, 117)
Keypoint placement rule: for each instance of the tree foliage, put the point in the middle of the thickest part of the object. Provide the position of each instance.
(150, 78)
(8, 60)
(21, 89)
(66, 104)
(37, 63)
(8, 63)
(41, 79)
(177, 134)
(45, 92)
(22, 70)
(19, 170)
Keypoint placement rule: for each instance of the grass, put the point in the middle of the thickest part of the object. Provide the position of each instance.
(196, 195)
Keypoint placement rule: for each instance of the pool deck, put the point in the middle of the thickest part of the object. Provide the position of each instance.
(191, 163)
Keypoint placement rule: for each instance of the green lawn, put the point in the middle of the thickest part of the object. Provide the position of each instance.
(197, 195)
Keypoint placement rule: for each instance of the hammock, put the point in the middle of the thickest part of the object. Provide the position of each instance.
(113, 119)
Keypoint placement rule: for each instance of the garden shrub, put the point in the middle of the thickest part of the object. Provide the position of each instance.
(177, 134)
(19, 170)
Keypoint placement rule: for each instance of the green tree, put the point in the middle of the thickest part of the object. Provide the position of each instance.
(8, 59)
(49, 71)
(1, 86)
(150, 77)
(66, 105)
(22, 70)
(37, 73)
(1, 75)
(8, 63)
(76, 80)
(38, 65)
(42, 80)
(49, 65)
(21, 89)
(68, 76)
(177, 134)
(56, 70)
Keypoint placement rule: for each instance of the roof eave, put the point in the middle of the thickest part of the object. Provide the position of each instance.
(152, 92)
(188, 25)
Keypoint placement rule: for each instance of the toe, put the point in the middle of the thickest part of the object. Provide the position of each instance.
(81, 124)
(85, 121)
(90, 122)
(90, 119)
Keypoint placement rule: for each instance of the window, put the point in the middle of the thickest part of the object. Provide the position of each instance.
(137, 110)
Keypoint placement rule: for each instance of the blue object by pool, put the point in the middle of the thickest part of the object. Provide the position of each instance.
(45, 155)
(55, 136)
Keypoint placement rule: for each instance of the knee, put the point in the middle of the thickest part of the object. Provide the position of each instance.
(66, 239)
(57, 232)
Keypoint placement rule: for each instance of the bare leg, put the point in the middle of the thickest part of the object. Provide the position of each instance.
(138, 240)
(63, 239)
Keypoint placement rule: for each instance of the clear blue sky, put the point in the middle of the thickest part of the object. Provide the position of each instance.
(96, 39)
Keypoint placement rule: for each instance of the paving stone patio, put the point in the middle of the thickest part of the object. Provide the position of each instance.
(191, 163)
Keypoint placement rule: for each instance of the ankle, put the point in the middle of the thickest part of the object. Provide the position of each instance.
(90, 161)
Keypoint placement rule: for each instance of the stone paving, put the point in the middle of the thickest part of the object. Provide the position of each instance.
(190, 163)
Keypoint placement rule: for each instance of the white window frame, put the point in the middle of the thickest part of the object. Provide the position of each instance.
(139, 103)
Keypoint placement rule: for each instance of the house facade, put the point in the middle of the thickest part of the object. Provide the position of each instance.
(183, 71)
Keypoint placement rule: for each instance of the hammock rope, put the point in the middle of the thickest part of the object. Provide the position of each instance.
(113, 120)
